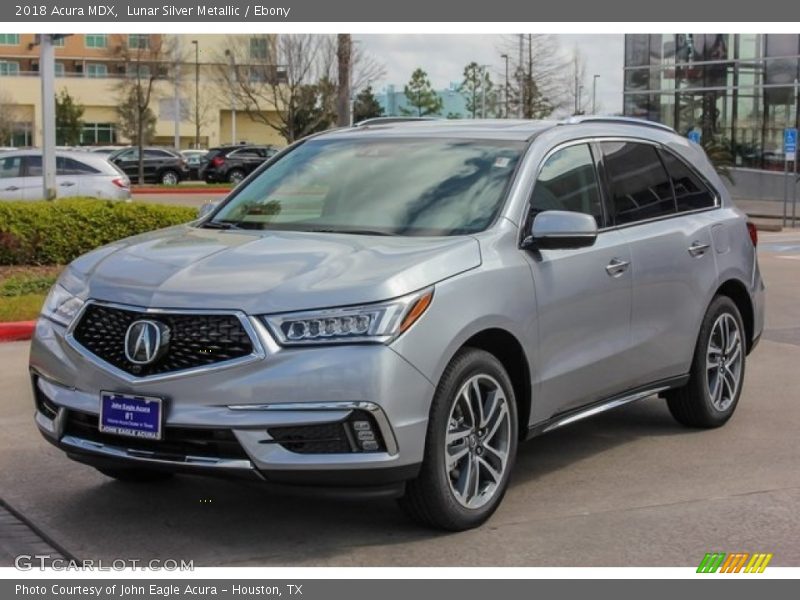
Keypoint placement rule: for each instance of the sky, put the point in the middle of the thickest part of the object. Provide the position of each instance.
(444, 58)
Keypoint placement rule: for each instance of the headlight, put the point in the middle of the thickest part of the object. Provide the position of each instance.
(376, 323)
(61, 306)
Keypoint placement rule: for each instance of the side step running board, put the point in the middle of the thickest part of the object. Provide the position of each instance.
(596, 408)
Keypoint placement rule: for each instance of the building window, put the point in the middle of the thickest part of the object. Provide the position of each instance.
(96, 40)
(94, 134)
(59, 69)
(96, 70)
(9, 39)
(58, 42)
(139, 41)
(8, 68)
(135, 69)
(21, 134)
(258, 48)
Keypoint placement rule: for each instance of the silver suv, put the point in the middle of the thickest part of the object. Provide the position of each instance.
(394, 307)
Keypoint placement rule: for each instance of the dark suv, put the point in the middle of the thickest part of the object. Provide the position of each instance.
(161, 165)
(234, 163)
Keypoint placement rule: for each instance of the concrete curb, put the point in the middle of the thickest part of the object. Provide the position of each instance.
(179, 190)
(16, 331)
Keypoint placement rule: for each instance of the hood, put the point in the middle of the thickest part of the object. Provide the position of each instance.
(270, 271)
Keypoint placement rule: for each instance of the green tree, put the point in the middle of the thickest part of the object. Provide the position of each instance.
(477, 91)
(135, 123)
(69, 120)
(313, 108)
(366, 105)
(421, 96)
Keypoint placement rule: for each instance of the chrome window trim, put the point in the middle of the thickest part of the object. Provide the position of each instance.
(377, 412)
(258, 352)
(592, 139)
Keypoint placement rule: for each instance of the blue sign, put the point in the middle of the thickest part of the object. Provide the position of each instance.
(694, 136)
(135, 416)
(790, 140)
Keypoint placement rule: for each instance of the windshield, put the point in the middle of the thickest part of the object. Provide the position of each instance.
(385, 186)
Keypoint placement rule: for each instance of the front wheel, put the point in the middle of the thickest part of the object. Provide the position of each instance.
(235, 176)
(470, 446)
(170, 178)
(715, 381)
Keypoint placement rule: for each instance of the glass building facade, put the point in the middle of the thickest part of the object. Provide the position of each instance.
(737, 90)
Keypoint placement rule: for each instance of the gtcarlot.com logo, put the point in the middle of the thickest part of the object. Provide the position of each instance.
(736, 562)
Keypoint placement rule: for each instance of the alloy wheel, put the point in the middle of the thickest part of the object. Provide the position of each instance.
(478, 441)
(724, 357)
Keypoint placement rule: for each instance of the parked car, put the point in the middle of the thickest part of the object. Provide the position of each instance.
(195, 159)
(77, 174)
(402, 305)
(233, 163)
(161, 165)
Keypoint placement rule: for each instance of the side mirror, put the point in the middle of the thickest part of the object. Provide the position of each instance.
(559, 229)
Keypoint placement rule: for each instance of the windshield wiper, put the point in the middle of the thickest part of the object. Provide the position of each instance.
(219, 225)
(352, 231)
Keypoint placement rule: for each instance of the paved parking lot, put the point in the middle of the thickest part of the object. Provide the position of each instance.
(630, 488)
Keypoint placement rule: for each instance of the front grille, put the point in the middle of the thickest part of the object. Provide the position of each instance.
(177, 442)
(195, 340)
(357, 433)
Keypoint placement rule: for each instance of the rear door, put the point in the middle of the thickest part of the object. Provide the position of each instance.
(250, 157)
(671, 258)
(128, 161)
(583, 296)
(11, 182)
(76, 178)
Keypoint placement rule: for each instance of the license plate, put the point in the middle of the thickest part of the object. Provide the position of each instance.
(134, 416)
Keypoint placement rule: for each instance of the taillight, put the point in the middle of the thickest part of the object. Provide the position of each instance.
(751, 229)
(217, 161)
(121, 183)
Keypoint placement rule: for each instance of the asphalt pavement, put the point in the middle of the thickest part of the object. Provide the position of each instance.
(628, 488)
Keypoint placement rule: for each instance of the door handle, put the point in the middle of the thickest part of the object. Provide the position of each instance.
(11, 188)
(67, 184)
(698, 248)
(617, 267)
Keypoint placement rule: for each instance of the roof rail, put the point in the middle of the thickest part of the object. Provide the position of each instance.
(387, 120)
(619, 120)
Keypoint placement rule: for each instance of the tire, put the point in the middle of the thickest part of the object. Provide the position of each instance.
(169, 177)
(439, 497)
(710, 397)
(235, 176)
(135, 475)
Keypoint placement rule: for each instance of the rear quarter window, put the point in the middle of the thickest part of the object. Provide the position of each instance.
(690, 191)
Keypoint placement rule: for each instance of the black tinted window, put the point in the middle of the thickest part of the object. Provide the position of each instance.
(157, 154)
(690, 191)
(640, 187)
(33, 166)
(10, 167)
(567, 181)
(69, 166)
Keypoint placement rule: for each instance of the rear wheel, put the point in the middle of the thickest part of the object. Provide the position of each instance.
(235, 176)
(135, 475)
(470, 446)
(715, 383)
(170, 177)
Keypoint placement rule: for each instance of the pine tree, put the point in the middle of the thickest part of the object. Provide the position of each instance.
(477, 91)
(69, 120)
(366, 105)
(422, 99)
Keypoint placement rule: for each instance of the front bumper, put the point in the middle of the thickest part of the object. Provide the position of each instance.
(286, 388)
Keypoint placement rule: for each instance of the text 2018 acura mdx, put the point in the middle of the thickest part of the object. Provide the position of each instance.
(396, 306)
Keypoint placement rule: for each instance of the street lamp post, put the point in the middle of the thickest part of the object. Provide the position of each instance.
(594, 94)
(47, 73)
(505, 89)
(196, 93)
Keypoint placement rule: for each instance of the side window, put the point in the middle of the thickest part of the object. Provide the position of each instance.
(640, 187)
(33, 166)
(69, 166)
(568, 181)
(156, 154)
(10, 167)
(690, 191)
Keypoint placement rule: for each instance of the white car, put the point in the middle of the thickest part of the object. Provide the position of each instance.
(77, 174)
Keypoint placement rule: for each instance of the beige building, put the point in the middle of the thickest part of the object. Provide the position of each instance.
(91, 68)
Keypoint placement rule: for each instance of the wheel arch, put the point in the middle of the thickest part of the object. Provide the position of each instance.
(737, 292)
(504, 346)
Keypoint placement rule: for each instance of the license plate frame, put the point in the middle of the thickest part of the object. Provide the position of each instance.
(131, 415)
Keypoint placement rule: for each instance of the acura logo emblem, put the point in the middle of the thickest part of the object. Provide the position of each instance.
(146, 341)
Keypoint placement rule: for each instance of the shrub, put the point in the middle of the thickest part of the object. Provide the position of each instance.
(47, 233)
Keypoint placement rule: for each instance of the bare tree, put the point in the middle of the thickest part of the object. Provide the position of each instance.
(145, 59)
(8, 117)
(290, 82)
(537, 67)
(577, 96)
